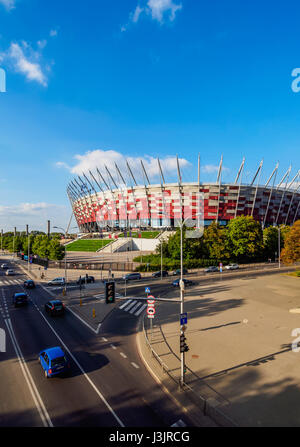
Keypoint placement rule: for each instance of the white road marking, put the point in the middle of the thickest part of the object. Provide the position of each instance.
(113, 346)
(135, 365)
(126, 308)
(135, 308)
(84, 373)
(96, 331)
(140, 310)
(104, 339)
(123, 355)
(179, 423)
(125, 304)
(31, 385)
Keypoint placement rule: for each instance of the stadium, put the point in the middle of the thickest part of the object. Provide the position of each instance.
(105, 202)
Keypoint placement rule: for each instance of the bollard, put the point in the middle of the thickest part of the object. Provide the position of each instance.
(94, 313)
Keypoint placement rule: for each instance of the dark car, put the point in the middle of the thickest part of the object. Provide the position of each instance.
(4, 266)
(29, 284)
(55, 307)
(54, 361)
(187, 282)
(83, 280)
(131, 276)
(20, 299)
(159, 274)
(212, 268)
(178, 272)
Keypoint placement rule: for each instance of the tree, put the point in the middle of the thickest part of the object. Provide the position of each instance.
(245, 238)
(215, 242)
(291, 250)
(56, 250)
(270, 239)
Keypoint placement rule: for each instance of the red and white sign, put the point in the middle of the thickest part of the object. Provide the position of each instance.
(151, 306)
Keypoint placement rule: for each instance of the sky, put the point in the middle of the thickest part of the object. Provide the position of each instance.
(94, 82)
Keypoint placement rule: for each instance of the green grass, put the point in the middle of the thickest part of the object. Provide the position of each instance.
(145, 234)
(297, 274)
(87, 245)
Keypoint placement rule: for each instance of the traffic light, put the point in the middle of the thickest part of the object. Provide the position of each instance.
(183, 346)
(110, 292)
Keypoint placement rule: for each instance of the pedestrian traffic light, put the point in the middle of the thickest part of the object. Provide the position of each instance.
(110, 292)
(183, 346)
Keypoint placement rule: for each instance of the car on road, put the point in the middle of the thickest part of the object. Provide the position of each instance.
(132, 276)
(159, 274)
(20, 299)
(57, 282)
(29, 284)
(4, 266)
(178, 272)
(55, 307)
(232, 267)
(187, 282)
(9, 272)
(54, 361)
(210, 269)
(84, 279)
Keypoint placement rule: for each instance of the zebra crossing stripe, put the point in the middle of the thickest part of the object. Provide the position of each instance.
(126, 308)
(179, 423)
(140, 310)
(125, 304)
(134, 308)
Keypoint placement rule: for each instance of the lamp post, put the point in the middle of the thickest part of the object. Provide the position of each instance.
(278, 246)
(1, 241)
(65, 232)
(28, 263)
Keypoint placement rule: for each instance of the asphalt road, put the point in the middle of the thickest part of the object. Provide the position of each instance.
(108, 385)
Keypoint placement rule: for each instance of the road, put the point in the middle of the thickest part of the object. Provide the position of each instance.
(108, 386)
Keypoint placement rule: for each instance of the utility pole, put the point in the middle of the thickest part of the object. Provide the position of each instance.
(27, 232)
(1, 240)
(279, 246)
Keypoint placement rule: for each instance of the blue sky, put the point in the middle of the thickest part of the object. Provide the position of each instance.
(98, 81)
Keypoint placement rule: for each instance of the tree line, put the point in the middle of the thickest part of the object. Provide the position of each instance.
(39, 244)
(242, 240)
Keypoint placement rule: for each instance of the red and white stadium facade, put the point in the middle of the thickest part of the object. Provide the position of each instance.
(98, 202)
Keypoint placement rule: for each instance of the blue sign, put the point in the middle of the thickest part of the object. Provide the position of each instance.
(147, 289)
(183, 319)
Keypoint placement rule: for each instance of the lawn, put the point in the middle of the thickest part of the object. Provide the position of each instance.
(87, 245)
(145, 234)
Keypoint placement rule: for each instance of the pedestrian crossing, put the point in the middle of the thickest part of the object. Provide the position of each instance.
(133, 307)
(11, 282)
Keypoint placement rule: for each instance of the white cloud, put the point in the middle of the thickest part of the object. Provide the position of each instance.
(42, 43)
(35, 215)
(26, 61)
(98, 158)
(137, 13)
(8, 4)
(53, 33)
(211, 169)
(159, 7)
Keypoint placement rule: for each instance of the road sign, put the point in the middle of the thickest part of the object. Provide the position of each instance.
(147, 289)
(183, 319)
(151, 306)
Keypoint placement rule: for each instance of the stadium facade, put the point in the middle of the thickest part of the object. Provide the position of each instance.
(104, 201)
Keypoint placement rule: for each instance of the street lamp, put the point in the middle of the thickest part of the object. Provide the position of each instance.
(181, 284)
(65, 232)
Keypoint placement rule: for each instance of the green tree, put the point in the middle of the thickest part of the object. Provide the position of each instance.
(215, 242)
(56, 250)
(245, 238)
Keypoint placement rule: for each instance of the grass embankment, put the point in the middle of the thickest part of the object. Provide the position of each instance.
(87, 245)
(145, 234)
(296, 274)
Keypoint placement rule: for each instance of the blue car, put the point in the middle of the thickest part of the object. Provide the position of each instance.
(54, 361)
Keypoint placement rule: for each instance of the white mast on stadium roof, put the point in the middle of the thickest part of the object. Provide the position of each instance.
(124, 184)
(240, 173)
(146, 191)
(274, 173)
(219, 181)
(294, 192)
(162, 186)
(257, 184)
(132, 190)
(287, 174)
